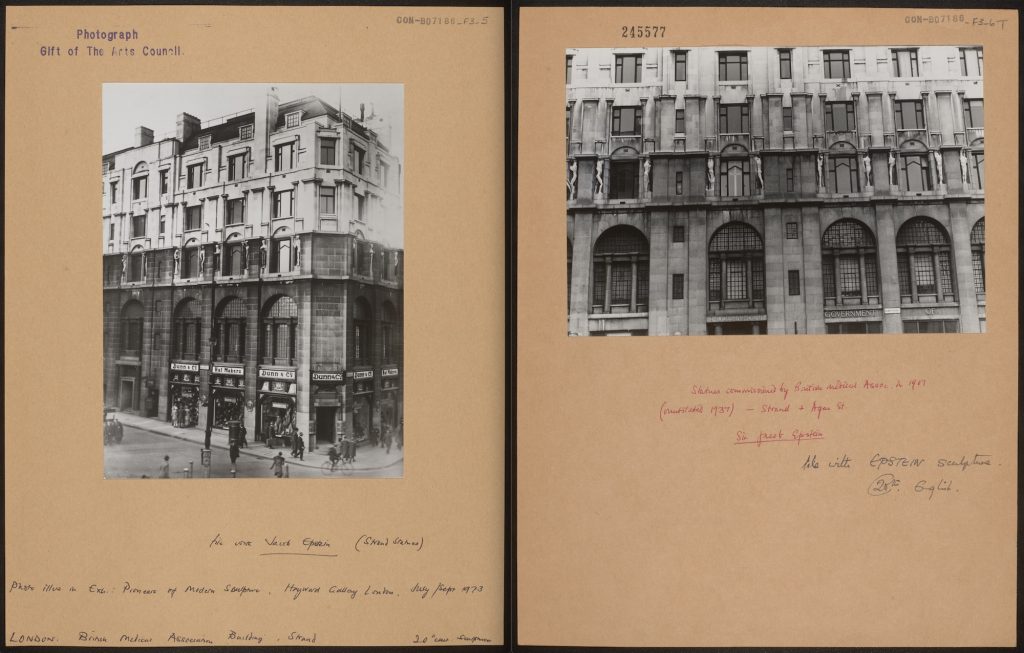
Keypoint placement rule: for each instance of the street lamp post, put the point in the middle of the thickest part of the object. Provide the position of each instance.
(213, 356)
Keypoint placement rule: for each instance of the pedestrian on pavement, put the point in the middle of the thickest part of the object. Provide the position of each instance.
(165, 469)
(300, 442)
(233, 450)
(387, 438)
(118, 430)
(243, 433)
(278, 465)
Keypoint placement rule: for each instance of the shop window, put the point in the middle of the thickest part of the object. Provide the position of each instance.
(185, 331)
(846, 328)
(931, 326)
(231, 331)
(679, 58)
(131, 329)
(735, 265)
(284, 204)
(236, 167)
(909, 114)
(732, 66)
(621, 271)
(972, 62)
(234, 259)
(914, 175)
(840, 117)
(194, 176)
(849, 264)
(924, 263)
(284, 157)
(785, 64)
(628, 68)
(625, 179)
(280, 319)
(327, 206)
(978, 255)
(328, 151)
(236, 211)
(842, 174)
(362, 320)
(904, 63)
(836, 64)
(734, 119)
(734, 177)
(626, 121)
(193, 217)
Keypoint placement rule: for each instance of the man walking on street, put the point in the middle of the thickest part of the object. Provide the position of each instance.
(165, 469)
(278, 465)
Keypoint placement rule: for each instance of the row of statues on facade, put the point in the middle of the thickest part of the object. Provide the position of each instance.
(866, 169)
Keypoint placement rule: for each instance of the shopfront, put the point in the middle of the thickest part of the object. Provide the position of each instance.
(276, 406)
(362, 405)
(856, 320)
(228, 394)
(183, 407)
(327, 388)
(390, 404)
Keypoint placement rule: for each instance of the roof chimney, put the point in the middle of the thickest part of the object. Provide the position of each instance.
(143, 136)
(188, 125)
(362, 112)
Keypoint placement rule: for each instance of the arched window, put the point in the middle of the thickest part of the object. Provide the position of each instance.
(735, 266)
(923, 262)
(362, 319)
(231, 330)
(185, 330)
(842, 172)
(621, 271)
(280, 320)
(281, 254)
(388, 333)
(978, 255)
(140, 181)
(190, 260)
(136, 270)
(131, 329)
(914, 172)
(233, 263)
(849, 264)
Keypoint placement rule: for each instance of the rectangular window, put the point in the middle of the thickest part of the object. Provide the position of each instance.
(680, 121)
(328, 151)
(140, 188)
(978, 163)
(139, 226)
(236, 167)
(236, 211)
(204, 142)
(163, 182)
(624, 179)
(972, 62)
(792, 231)
(113, 192)
(978, 266)
(974, 114)
(913, 172)
(909, 114)
(787, 119)
(836, 64)
(568, 69)
(794, 283)
(356, 158)
(849, 276)
(839, 117)
(679, 233)
(194, 177)
(284, 203)
(679, 183)
(110, 234)
(360, 207)
(190, 263)
(628, 68)
(678, 286)
(385, 171)
(327, 200)
(734, 177)
(931, 326)
(193, 217)
(785, 64)
(626, 121)
(680, 65)
(732, 66)
(734, 119)
(735, 279)
(284, 157)
(790, 181)
(163, 225)
(292, 119)
(842, 174)
(904, 63)
(245, 132)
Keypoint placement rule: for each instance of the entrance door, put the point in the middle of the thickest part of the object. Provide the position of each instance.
(325, 423)
(126, 394)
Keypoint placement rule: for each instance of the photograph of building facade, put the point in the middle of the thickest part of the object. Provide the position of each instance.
(255, 261)
(775, 190)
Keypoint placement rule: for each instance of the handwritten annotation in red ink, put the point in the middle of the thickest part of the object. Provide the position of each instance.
(797, 435)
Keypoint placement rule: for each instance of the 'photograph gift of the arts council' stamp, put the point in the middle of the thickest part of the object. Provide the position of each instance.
(775, 190)
(252, 246)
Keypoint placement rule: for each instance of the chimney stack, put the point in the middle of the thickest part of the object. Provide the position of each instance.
(362, 112)
(143, 136)
(188, 125)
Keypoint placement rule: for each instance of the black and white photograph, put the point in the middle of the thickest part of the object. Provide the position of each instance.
(749, 190)
(253, 266)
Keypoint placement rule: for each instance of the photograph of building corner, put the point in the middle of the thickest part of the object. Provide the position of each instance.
(252, 275)
(775, 190)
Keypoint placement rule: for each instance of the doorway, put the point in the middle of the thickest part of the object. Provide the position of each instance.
(325, 423)
(126, 394)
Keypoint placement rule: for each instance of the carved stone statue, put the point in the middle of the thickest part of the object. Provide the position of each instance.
(599, 178)
(709, 176)
(965, 171)
(245, 254)
(760, 173)
(177, 261)
(892, 167)
(821, 170)
(202, 256)
(572, 179)
(865, 162)
(647, 174)
(124, 263)
(940, 176)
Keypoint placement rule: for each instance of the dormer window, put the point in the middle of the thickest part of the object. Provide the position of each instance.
(204, 142)
(245, 132)
(292, 119)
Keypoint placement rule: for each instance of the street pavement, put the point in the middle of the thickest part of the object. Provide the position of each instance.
(146, 442)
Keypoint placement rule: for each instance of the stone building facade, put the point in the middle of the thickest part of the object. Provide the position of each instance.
(255, 262)
(744, 190)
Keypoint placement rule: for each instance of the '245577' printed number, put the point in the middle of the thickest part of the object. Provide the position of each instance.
(643, 31)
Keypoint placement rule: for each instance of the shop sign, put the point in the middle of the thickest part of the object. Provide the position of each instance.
(389, 371)
(852, 313)
(229, 369)
(287, 375)
(327, 377)
(279, 404)
(367, 374)
(892, 311)
(230, 399)
(185, 367)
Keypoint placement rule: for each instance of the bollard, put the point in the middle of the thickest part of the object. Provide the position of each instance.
(191, 468)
